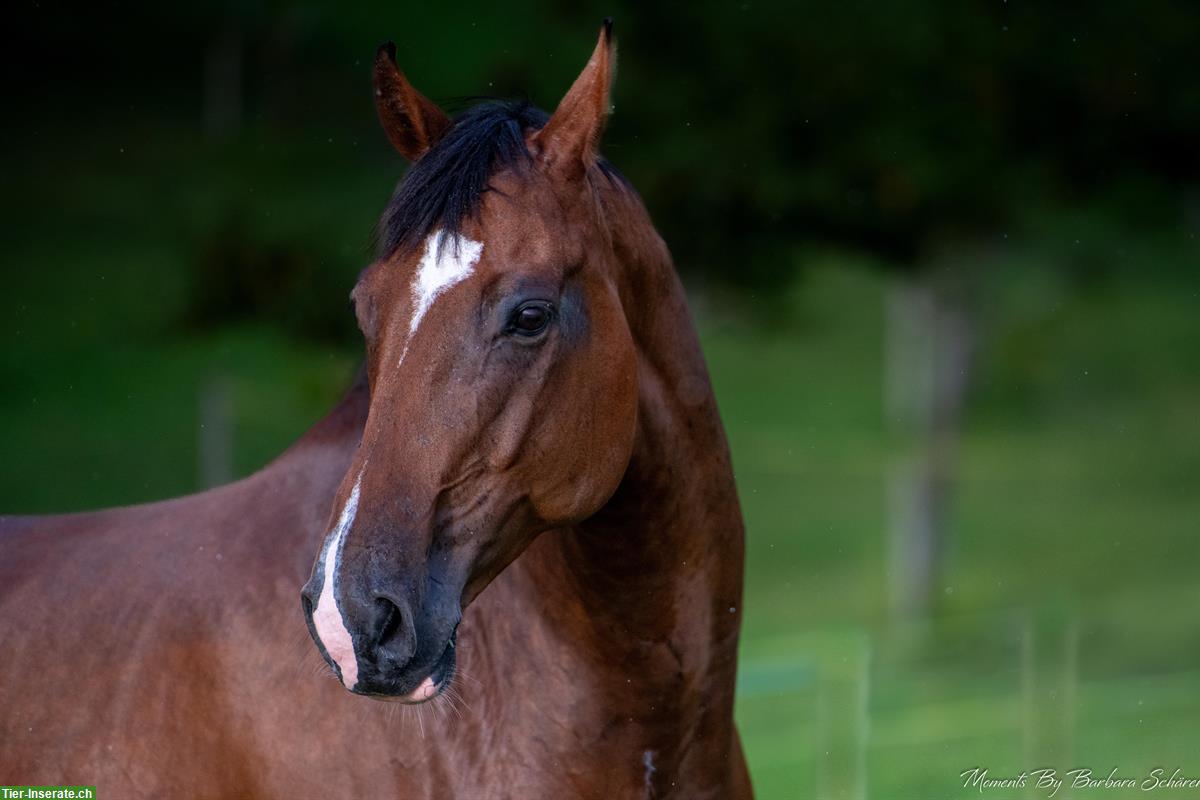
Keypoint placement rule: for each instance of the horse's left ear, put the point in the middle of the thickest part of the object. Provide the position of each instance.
(413, 123)
(570, 140)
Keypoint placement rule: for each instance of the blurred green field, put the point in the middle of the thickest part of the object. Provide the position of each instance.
(1065, 633)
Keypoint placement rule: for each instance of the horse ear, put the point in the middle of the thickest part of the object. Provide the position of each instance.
(413, 123)
(570, 139)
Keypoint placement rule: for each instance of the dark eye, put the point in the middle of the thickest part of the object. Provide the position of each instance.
(530, 319)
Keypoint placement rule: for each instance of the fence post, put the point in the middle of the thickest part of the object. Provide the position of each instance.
(1049, 681)
(843, 696)
(214, 433)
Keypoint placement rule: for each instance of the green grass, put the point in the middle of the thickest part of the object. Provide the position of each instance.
(1065, 632)
(1077, 497)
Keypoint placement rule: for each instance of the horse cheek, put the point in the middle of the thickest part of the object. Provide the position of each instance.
(599, 442)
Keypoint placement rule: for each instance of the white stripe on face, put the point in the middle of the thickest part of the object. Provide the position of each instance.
(327, 619)
(447, 260)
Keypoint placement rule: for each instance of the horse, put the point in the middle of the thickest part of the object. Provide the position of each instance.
(515, 543)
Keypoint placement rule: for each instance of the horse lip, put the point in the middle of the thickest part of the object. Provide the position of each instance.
(409, 699)
(439, 677)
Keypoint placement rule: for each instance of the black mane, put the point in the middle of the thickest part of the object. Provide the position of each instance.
(444, 186)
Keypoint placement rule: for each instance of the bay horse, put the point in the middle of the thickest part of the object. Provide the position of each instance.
(521, 520)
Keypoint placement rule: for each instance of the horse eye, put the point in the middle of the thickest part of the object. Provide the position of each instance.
(531, 319)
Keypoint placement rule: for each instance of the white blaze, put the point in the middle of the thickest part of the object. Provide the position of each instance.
(446, 261)
(327, 619)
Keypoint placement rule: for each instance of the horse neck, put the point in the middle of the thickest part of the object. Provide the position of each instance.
(662, 561)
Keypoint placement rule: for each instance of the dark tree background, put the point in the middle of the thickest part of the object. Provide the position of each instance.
(887, 128)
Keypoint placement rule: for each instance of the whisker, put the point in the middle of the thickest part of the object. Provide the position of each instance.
(437, 709)
(460, 707)
(462, 673)
(460, 701)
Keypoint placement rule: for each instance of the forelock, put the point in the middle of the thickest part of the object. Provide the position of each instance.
(445, 186)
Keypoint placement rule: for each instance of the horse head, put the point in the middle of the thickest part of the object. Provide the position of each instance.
(501, 365)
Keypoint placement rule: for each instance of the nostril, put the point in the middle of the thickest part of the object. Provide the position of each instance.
(307, 603)
(391, 622)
